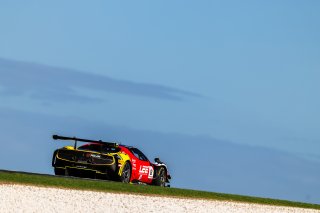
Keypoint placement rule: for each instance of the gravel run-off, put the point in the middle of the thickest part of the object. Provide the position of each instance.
(20, 198)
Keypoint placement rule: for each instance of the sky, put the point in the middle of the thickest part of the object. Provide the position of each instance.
(230, 80)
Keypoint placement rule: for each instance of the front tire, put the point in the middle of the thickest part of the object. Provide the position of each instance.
(126, 173)
(160, 180)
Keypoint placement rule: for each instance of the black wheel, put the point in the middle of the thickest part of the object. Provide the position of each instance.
(160, 180)
(58, 171)
(126, 173)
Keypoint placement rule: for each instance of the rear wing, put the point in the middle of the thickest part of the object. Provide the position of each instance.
(109, 144)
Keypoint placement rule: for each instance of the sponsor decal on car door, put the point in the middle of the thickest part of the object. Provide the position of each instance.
(146, 171)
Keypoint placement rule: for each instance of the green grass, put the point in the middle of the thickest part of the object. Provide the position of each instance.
(106, 186)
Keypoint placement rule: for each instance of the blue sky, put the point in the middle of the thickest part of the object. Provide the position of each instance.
(245, 73)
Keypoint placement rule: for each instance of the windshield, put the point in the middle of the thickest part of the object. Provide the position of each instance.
(99, 148)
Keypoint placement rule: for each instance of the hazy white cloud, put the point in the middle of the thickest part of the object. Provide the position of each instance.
(55, 83)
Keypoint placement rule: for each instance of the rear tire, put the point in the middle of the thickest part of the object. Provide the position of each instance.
(160, 180)
(126, 173)
(58, 171)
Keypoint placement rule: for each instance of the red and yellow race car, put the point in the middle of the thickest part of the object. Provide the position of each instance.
(106, 160)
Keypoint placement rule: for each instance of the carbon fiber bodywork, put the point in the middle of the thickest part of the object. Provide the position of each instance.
(85, 161)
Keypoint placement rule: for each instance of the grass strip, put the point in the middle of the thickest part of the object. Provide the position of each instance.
(109, 186)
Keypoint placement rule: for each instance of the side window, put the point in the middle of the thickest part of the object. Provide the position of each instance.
(138, 154)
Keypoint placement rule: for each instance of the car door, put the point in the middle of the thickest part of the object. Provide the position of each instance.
(144, 168)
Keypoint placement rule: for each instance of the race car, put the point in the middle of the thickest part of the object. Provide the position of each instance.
(107, 160)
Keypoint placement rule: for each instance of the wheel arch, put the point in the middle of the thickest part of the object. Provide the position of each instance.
(123, 164)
